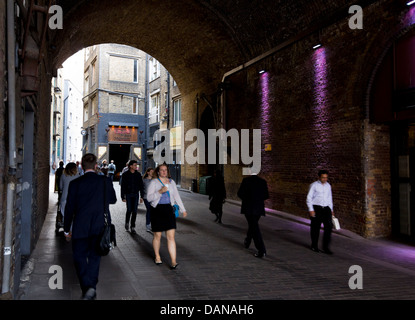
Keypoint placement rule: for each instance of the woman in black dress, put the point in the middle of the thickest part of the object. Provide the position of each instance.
(162, 194)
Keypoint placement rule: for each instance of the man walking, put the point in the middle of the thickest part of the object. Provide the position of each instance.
(84, 213)
(131, 185)
(320, 206)
(253, 192)
(111, 170)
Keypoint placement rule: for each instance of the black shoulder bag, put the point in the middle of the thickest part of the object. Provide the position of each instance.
(107, 237)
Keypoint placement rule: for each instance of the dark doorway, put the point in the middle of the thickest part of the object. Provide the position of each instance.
(403, 177)
(207, 121)
(175, 168)
(120, 153)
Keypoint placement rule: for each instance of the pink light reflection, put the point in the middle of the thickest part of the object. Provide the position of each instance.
(320, 77)
(409, 18)
(321, 117)
(265, 105)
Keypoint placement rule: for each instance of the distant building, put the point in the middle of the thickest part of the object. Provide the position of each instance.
(72, 137)
(114, 117)
(164, 113)
(56, 123)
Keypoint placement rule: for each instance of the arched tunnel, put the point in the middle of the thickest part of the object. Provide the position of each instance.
(254, 63)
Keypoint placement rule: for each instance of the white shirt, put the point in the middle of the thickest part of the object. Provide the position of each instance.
(319, 194)
(153, 195)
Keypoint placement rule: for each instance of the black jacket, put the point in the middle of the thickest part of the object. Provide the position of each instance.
(253, 192)
(131, 183)
(85, 205)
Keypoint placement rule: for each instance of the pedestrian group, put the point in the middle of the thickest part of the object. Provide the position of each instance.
(86, 189)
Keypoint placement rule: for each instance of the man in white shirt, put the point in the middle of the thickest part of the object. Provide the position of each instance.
(320, 206)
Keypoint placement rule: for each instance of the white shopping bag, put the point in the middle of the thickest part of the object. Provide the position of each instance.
(336, 224)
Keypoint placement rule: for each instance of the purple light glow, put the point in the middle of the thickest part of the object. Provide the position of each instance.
(265, 106)
(409, 18)
(320, 77)
(321, 117)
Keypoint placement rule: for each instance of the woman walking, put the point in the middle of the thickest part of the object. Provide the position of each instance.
(148, 176)
(162, 194)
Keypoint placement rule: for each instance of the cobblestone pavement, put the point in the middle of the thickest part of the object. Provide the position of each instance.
(213, 264)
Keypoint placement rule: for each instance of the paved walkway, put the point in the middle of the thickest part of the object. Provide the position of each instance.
(215, 265)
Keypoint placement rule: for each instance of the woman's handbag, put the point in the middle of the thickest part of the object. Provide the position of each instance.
(176, 208)
(107, 239)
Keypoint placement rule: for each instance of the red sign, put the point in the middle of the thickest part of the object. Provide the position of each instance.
(122, 134)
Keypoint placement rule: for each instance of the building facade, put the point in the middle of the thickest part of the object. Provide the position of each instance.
(57, 120)
(114, 104)
(73, 107)
(164, 113)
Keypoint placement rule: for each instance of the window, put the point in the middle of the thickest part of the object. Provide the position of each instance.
(86, 112)
(135, 105)
(154, 108)
(94, 103)
(123, 69)
(154, 69)
(135, 71)
(94, 72)
(177, 112)
(86, 85)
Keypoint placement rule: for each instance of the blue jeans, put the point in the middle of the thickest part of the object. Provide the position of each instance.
(132, 203)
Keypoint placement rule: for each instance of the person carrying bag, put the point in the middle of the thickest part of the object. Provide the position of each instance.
(163, 195)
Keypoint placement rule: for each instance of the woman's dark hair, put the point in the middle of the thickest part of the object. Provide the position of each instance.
(146, 174)
(157, 170)
(321, 172)
(71, 169)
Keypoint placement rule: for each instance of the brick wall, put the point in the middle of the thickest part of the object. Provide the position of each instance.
(3, 117)
(312, 108)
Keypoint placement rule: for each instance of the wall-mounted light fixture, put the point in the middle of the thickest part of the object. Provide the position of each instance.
(410, 3)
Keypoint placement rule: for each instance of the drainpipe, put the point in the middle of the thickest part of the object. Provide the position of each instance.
(11, 98)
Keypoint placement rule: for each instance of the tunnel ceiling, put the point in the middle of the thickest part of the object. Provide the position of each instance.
(196, 40)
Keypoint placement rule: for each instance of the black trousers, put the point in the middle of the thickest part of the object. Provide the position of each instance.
(323, 215)
(132, 203)
(87, 261)
(254, 233)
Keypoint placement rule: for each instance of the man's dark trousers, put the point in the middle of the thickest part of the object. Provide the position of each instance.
(86, 260)
(323, 215)
(254, 233)
(132, 203)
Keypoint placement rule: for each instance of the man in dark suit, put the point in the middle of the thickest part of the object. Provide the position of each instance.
(84, 212)
(131, 185)
(253, 192)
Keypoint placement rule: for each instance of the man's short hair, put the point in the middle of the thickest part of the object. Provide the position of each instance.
(89, 161)
(321, 172)
(131, 162)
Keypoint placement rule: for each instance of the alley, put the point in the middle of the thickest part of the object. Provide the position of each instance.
(214, 265)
